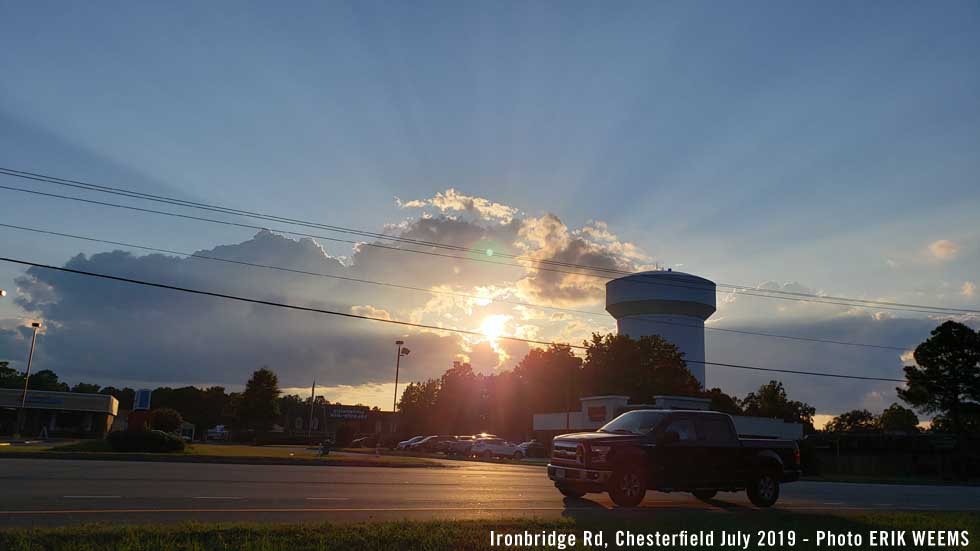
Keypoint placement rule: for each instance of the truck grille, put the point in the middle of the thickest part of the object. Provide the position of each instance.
(568, 452)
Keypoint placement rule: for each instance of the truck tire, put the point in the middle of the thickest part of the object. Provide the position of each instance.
(763, 491)
(628, 486)
(569, 491)
(705, 495)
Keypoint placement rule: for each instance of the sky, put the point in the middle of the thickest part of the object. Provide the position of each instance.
(823, 146)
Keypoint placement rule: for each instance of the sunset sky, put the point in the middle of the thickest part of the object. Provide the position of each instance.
(828, 148)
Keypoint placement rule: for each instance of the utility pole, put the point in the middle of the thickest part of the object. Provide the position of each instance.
(309, 426)
(27, 378)
(402, 351)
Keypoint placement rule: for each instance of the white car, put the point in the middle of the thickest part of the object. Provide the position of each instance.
(405, 444)
(495, 447)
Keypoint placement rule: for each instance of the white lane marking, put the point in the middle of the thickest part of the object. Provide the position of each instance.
(91, 497)
(217, 497)
(329, 498)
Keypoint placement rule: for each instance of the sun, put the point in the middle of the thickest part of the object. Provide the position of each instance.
(493, 326)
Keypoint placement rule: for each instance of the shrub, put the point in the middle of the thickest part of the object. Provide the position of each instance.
(165, 419)
(155, 441)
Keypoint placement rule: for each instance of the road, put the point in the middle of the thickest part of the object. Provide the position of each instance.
(53, 492)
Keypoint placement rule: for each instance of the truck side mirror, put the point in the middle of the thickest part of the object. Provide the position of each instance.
(669, 437)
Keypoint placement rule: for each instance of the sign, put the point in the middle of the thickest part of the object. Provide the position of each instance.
(597, 413)
(348, 413)
(142, 401)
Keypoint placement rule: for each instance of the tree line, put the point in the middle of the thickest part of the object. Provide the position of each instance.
(552, 379)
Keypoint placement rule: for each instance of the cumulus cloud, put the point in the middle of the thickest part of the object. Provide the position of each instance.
(452, 200)
(548, 239)
(943, 249)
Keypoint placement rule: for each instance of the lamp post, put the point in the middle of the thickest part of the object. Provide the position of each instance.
(402, 351)
(27, 379)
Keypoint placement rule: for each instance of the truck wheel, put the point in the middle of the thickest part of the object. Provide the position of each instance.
(569, 491)
(628, 486)
(705, 495)
(764, 490)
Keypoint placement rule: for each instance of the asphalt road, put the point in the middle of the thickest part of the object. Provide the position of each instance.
(52, 492)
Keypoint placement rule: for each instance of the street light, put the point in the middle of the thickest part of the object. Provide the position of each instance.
(402, 351)
(3, 293)
(27, 378)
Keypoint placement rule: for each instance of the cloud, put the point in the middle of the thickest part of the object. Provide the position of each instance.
(370, 311)
(548, 239)
(943, 249)
(106, 332)
(968, 289)
(454, 201)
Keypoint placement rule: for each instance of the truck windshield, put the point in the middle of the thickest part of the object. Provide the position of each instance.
(634, 422)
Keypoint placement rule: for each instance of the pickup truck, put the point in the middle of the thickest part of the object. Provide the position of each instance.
(671, 451)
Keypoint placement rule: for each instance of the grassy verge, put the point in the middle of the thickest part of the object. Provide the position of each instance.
(214, 453)
(453, 535)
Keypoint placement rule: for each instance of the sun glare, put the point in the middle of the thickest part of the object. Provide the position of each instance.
(493, 326)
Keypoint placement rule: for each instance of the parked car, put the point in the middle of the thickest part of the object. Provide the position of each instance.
(369, 441)
(495, 447)
(668, 450)
(404, 444)
(533, 448)
(431, 444)
(460, 446)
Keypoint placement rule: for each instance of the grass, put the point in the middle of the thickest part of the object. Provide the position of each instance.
(453, 535)
(99, 449)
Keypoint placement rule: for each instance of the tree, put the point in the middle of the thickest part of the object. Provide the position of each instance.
(858, 420)
(259, 406)
(898, 419)
(165, 419)
(723, 402)
(770, 401)
(46, 380)
(640, 368)
(10, 377)
(86, 388)
(946, 376)
(417, 404)
(969, 421)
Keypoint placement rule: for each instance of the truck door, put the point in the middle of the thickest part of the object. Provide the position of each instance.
(720, 462)
(681, 458)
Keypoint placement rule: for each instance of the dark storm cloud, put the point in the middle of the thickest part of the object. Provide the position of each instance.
(100, 330)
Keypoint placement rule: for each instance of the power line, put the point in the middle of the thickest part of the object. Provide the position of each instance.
(448, 293)
(471, 259)
(397, 322)
(741, 289)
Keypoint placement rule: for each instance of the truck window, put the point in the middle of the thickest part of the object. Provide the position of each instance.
(715, 429)
(684, 427)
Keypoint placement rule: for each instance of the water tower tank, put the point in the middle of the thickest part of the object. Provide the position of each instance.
(671, 304)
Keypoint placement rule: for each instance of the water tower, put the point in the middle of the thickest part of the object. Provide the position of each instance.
(671, 304)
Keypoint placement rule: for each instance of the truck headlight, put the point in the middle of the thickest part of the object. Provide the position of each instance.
(599, 454)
